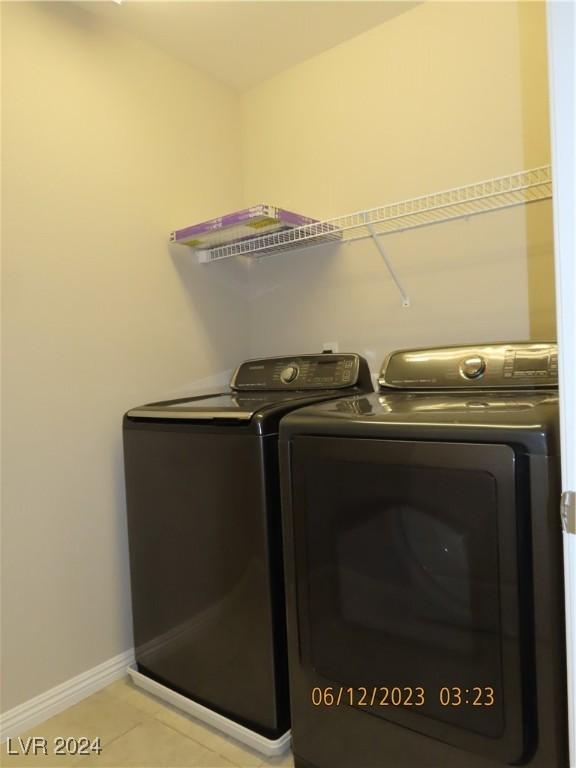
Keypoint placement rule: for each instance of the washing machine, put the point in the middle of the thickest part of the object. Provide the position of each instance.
(205, 541)
(423, 560)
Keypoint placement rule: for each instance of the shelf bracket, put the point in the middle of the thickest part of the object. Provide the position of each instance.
(389, 265)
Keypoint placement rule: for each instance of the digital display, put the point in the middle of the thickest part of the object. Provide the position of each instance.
(531, 363)
(323, 368)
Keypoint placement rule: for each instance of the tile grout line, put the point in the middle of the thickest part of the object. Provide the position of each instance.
(120, 736)
(199, 743)
(163, 708)
(180, 733)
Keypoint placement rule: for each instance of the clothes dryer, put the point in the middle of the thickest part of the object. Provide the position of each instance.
(424, 574)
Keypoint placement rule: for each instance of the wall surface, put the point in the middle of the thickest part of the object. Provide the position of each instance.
(443, 95)
(108, 145)
(536, 141)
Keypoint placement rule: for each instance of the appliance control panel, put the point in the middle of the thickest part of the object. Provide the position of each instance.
(323, 371)
(468, 367)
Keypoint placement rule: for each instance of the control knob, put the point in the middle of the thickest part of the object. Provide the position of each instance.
(473, 367)
(289, 374)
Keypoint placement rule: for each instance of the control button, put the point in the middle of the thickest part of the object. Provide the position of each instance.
(289, 374)
(473, 367)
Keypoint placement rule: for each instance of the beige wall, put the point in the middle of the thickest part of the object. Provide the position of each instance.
(443, 95)
(536, 134)
(108, 145)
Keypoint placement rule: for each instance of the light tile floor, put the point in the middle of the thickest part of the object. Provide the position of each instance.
(138, 731)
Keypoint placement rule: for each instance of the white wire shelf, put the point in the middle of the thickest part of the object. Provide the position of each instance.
(461, 202)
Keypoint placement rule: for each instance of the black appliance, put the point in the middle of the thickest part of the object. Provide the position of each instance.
(423, 561)
(204, 524)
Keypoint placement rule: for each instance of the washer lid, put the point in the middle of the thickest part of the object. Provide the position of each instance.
(226, 406)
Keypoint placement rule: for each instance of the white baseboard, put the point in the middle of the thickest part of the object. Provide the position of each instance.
(16, 721)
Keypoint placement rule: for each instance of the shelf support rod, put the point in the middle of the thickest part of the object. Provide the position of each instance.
(389, 265)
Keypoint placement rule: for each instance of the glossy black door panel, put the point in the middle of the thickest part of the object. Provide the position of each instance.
(406, 557)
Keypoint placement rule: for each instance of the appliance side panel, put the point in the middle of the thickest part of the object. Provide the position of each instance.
(549, 616)
(199, 568)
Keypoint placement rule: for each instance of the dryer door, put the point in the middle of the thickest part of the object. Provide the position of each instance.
(411, 586)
